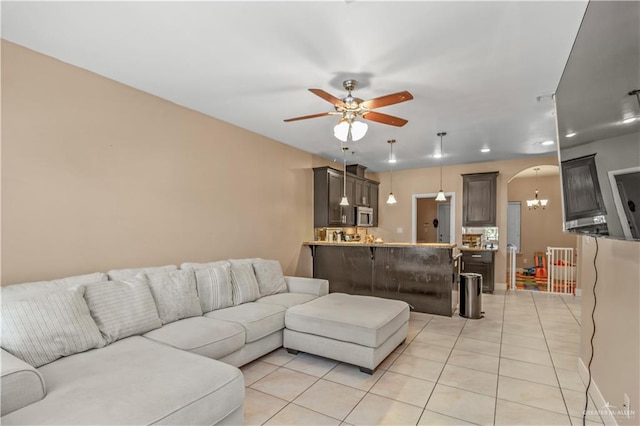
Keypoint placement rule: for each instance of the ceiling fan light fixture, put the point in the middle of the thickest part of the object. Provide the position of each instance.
(341, 131)
(358, 130)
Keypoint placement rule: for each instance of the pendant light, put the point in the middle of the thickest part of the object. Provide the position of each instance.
(536, 202)
(392, 159)
(440, 196)
(344, 201)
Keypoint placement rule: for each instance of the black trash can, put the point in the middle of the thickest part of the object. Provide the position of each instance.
(470, 295)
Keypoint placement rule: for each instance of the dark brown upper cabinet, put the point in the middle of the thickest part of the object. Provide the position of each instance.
(479, 199)
(582, 196)
(327, 193)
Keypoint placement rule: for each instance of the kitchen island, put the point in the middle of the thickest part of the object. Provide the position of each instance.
(423, 275)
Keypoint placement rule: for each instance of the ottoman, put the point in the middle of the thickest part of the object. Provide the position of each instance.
(359, 330)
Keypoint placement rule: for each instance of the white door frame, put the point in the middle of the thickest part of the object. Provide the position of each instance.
(414, 214)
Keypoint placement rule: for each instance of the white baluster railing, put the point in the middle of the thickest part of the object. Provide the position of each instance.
(561, 270)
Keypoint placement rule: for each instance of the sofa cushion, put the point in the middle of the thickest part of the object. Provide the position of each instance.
(41, 329)
(135, 381)
(258, 319)
(287, 299)
(123, 274)
(122, 308)
(204, 336)
(214, 286)
(175, 294)
(22, 384)
(243, 283)
(269, 276)
(195, 266)
(364, 320)
(23, 291)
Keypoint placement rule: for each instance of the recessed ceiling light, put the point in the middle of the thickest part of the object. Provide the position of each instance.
(437, 155)
(570, 135)
(548, 143)
(485, 150)
(629, 120)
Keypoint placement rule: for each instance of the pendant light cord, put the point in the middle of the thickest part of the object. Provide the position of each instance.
(441, 134)
(441, 162)
(391, 168)
(344, 166)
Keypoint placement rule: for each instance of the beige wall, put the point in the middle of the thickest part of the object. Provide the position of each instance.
(406, 183)
(539, 228)
(97, 175)
(616, 366)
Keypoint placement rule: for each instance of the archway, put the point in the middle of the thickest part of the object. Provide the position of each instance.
(532, 228)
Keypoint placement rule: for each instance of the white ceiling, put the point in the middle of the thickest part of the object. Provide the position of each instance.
(474, 68)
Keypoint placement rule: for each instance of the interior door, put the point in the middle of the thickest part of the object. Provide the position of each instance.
(444, 223)
(513, 224)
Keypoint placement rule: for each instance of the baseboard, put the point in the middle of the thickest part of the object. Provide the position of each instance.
(601, 403)
(578, 292)
(500, 286)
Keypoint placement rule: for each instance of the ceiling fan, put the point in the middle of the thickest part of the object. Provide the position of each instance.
(350, 107)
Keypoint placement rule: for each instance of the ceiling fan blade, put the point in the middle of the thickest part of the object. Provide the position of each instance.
(328, 97)
(384, 118)
(394, 98)
(322, 114)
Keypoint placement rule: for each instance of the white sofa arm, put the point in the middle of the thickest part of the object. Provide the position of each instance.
(20, 383)
(314, 286)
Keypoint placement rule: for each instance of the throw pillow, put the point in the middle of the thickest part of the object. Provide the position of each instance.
(214, 286)
(175, 295)
(15, 292)
(194, 266)
(41, 329)
(243, 283)
(124, 274)
(122, 308)
(270, 277)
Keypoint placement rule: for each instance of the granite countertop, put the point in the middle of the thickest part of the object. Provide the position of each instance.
(476, 249)
(357, 243)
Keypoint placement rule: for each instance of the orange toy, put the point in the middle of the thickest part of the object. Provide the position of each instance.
(540, 262)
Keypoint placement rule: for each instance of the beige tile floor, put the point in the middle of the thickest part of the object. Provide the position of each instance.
(518, 365)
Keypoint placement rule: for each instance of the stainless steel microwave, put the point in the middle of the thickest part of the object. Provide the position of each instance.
(364, 216)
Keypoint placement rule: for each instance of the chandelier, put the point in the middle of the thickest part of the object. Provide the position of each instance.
(536, 202)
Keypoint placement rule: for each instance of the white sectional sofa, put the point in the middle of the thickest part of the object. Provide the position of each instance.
(142, 346)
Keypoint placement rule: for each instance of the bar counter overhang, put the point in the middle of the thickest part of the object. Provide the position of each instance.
(423, 275)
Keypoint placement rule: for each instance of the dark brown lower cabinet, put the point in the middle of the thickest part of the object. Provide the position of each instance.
(480, 262)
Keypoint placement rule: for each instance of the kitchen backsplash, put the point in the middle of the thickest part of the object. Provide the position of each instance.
(480, 237)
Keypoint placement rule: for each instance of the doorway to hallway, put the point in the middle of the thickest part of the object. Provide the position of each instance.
(433, 221)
